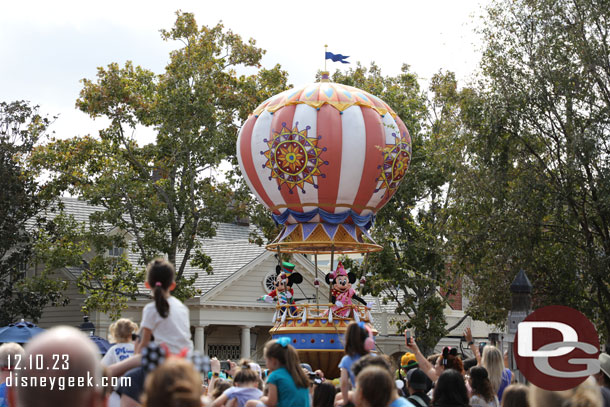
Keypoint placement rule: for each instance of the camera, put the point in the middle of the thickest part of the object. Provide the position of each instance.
(314, 378)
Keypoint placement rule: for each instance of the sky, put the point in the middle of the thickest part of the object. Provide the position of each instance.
(47, 47)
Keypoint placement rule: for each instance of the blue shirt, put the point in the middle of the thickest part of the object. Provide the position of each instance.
(507, 376)
(401, 402)
(346, 363)
(288, 394)
(3, 401)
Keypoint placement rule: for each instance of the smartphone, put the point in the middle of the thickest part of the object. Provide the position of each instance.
(225, 366)
(408, 337)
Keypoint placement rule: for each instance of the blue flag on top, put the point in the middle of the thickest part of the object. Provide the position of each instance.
(337, 57)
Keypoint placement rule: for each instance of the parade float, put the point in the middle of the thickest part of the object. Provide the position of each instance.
(323, 158)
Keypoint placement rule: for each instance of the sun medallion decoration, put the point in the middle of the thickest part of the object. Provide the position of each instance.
(294, 158)
(396, 159)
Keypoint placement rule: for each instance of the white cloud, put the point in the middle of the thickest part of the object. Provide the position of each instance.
(48, 46)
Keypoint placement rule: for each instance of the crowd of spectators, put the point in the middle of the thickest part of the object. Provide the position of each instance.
(174, 378)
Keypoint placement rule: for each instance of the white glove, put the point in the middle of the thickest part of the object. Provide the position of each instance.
(339, 304)
(369, 305)
(267, 299)
(288, 294)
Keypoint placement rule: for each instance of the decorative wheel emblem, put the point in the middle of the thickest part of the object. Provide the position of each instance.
(396, 159)
(294, 158)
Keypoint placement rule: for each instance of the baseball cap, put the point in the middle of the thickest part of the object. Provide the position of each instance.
(417, 379)
(307, 367)
(604, 363)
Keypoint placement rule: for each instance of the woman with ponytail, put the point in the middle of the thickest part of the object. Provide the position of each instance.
(166, 318)
(245, 387)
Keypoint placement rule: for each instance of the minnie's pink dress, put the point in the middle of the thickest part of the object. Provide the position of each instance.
(346, 299)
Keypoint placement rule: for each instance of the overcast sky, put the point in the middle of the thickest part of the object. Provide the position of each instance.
(46, 47)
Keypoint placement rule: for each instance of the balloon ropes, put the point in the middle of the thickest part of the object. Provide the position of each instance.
(324, 158)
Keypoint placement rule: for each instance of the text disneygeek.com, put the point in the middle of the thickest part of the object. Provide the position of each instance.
(63, 382)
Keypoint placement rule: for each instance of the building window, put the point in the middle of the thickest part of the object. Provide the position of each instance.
(115, 252)
(224, 352)
(269, 282)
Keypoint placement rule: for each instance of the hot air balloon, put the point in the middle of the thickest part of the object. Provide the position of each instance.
(323, 158)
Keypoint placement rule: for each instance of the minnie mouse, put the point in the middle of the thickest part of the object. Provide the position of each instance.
(342, 292)
(283, 292)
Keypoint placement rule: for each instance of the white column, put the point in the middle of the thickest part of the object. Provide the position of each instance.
(245, 342)
(199, 339)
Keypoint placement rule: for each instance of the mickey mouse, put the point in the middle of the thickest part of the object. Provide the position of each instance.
(283, 292)
(342, 292)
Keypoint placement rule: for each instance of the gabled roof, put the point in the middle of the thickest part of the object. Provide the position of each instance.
(228, 257)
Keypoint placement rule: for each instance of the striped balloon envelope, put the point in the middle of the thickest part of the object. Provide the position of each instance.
(324, 158)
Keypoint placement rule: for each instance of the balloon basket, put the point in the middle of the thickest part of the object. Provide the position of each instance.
(323, 238)
(316, 332)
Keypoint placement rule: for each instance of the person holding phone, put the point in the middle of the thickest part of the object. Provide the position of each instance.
(424, 364)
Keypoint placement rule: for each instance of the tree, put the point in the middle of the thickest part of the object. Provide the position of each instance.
(412, 268)
(534, 191)
(30, 243)
(163, 195)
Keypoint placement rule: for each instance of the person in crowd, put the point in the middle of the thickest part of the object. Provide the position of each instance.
(473, 348)
(245, 387)
(448, 359)
(499, 376)
(167, 318)
(450, 390)
(287, 384)
(384, 362)
(356, 337)
(324, 395)
(482, 392)
(603, 377)
(374, 387)
(122, 331)
(515, 395)
(11, 355)
(78, 356)
(407, 362)
(220, 387)
(417, 384)
(174, 383)
(586, 394)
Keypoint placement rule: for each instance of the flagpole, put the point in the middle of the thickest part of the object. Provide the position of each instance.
(325, 51)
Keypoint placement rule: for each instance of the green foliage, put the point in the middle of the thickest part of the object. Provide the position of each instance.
(31, 244)
(533, 189)
(163, 196)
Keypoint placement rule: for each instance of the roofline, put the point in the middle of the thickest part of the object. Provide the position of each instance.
(224, 283)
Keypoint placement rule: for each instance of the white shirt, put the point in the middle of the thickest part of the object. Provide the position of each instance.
(117, 353)
(175, 330)
(478, 401)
